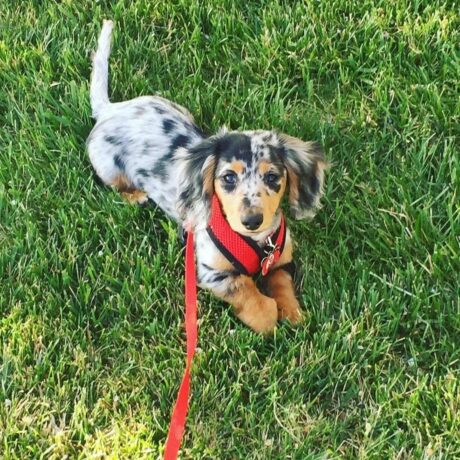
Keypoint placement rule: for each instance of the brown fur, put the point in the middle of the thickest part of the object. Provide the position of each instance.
(135, 197)
(271, 202)
(286, 256)
(281, 288)
(122, 183)
(264, 167)
(256, 310)
(237, 167)
(208, 176)
(128, 191)
(293, 186)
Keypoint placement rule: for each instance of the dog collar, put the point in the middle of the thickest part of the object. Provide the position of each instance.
(243, 252)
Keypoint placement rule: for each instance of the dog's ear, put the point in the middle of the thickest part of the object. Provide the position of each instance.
(196, 182)
(305, 164)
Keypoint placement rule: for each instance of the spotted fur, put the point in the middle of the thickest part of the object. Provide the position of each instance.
(150, 148)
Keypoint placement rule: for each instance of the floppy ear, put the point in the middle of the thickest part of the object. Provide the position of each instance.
(305, 165)
(196, 179)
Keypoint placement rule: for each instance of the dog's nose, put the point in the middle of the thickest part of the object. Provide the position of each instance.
(252, 221)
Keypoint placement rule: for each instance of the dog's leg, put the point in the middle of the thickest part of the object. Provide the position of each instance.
(131, 194)
(256, 310)
(281, 287)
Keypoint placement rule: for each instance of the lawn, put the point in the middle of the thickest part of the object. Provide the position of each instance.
(91, 293)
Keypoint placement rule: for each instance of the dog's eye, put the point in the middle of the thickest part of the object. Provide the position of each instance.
(230, 178)
(271, 178)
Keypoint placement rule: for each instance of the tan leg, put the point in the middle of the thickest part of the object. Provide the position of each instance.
(135, 197)
(256, 310)
(281, 288)
(131, 194)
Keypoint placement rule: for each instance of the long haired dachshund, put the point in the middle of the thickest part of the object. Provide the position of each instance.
(151, 149)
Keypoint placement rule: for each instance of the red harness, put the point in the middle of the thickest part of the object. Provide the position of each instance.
(244, 253)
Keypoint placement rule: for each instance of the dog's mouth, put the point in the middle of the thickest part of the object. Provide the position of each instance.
(245, 231)
(250, 232)
(253, 233)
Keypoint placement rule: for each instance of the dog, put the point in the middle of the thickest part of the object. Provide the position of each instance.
(150, 148)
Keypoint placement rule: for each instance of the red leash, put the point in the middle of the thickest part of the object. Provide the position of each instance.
(254, 259)
(177, 425)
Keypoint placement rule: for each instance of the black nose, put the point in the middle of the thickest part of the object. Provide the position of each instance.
(252, 221)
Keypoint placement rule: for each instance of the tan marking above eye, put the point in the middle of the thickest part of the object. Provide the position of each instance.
(236, 166)
(264, 167)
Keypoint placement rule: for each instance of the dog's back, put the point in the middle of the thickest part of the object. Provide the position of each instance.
(134, 143)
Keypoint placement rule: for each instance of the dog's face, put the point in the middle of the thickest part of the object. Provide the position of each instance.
(249, 172)
(249, 180)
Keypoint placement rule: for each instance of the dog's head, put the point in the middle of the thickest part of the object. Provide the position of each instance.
(249, 172)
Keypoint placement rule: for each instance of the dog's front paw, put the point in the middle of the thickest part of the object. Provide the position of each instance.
(261, 314)
(289, 308)
(266, 317)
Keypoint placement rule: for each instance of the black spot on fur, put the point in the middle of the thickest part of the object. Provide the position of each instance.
(179, 141)
(157, 108)
(143, 172)
(168, 125)
(113, 140)
(219, 278)
(246, 202)
(159, 169)
(235, 146)
(185, 195)
(119, 163)
(206, 266)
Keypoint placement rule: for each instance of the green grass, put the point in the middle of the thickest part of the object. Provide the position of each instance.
(91, 293)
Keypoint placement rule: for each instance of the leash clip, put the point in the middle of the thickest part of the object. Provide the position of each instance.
(271, 246)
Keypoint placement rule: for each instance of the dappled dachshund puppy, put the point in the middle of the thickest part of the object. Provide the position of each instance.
(150, 148)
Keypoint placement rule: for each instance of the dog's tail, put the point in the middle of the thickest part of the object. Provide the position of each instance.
(99, 91)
